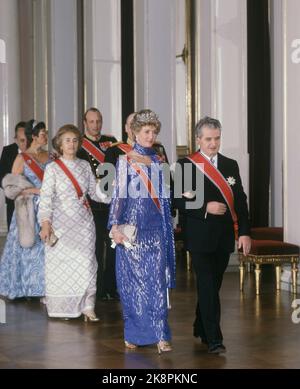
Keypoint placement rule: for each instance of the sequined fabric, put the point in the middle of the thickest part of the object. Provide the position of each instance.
(144, 272)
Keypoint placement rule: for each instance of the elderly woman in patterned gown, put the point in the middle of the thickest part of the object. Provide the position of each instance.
(146, 270)
(71, 267)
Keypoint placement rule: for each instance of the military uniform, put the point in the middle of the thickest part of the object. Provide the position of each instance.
(106, 280)
(113, 153)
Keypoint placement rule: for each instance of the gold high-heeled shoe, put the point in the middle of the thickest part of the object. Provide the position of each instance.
(163, 346)
(90, 316)
(131, 346)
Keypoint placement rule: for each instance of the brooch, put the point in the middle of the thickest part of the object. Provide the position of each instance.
(231, 181)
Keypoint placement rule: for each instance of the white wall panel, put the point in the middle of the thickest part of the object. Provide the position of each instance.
(108, 79)
(103, 62)
(106, 21)
(291, 11)
(155, 60)
(222, 43)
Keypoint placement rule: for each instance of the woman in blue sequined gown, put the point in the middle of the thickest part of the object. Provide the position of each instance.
(22, 269)
(145, 271)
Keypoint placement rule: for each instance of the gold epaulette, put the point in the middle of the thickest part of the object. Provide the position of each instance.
(116, 144)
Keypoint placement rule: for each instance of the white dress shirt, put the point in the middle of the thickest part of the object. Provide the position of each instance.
(213, 160)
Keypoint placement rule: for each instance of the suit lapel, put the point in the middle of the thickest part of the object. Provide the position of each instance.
(13, 152)
(221, 164)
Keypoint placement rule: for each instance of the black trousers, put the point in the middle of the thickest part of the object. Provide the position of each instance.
(209, 269)
(106, 276)
(10, 207)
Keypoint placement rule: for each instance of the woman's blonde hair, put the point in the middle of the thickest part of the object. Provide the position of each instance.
(57, 140)
(145, 117)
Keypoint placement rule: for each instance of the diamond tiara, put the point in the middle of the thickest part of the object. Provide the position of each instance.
(34, 124)
(146, 116)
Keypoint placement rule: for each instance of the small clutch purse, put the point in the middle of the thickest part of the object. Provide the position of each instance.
(129, 231)
(52, 239)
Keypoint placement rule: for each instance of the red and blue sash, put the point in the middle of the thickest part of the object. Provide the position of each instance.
(146, 181)
(125, 147)
(33, 166)
(214, 175)
(92, 149)
(74, 182)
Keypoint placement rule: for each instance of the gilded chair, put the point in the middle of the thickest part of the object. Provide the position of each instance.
(268, 248)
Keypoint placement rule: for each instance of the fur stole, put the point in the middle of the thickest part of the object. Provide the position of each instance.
(13, 184)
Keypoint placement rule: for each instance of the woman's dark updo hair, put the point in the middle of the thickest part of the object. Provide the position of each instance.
(33, 128)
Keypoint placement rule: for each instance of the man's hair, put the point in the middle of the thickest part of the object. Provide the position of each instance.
(207, 122)
(19, 125)
(92, 109)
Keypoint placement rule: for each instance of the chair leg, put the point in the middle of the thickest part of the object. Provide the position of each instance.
(242, 275)
(257, 277)
(278, 276)
(294, 277)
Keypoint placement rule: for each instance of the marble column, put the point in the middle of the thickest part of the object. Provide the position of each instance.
(277, 82)
(102, 62)
(63, 103)
(155, 61)
(221, 75)
(290, 48)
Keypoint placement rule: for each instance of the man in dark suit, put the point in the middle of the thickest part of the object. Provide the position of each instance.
(8, 157)
(210, 227)
(93, 150)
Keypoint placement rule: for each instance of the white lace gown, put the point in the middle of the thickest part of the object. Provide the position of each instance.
(70, 265)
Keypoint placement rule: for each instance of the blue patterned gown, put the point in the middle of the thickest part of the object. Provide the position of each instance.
(144, 272)
(22, 269)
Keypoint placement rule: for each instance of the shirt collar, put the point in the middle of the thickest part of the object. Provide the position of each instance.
(91, 138)
(215, 157)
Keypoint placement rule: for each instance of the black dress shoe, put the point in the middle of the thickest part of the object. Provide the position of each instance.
(203, 339)
(114, 296)
(102, 296)
(216, 348)
(197, 334)
(109, 296)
